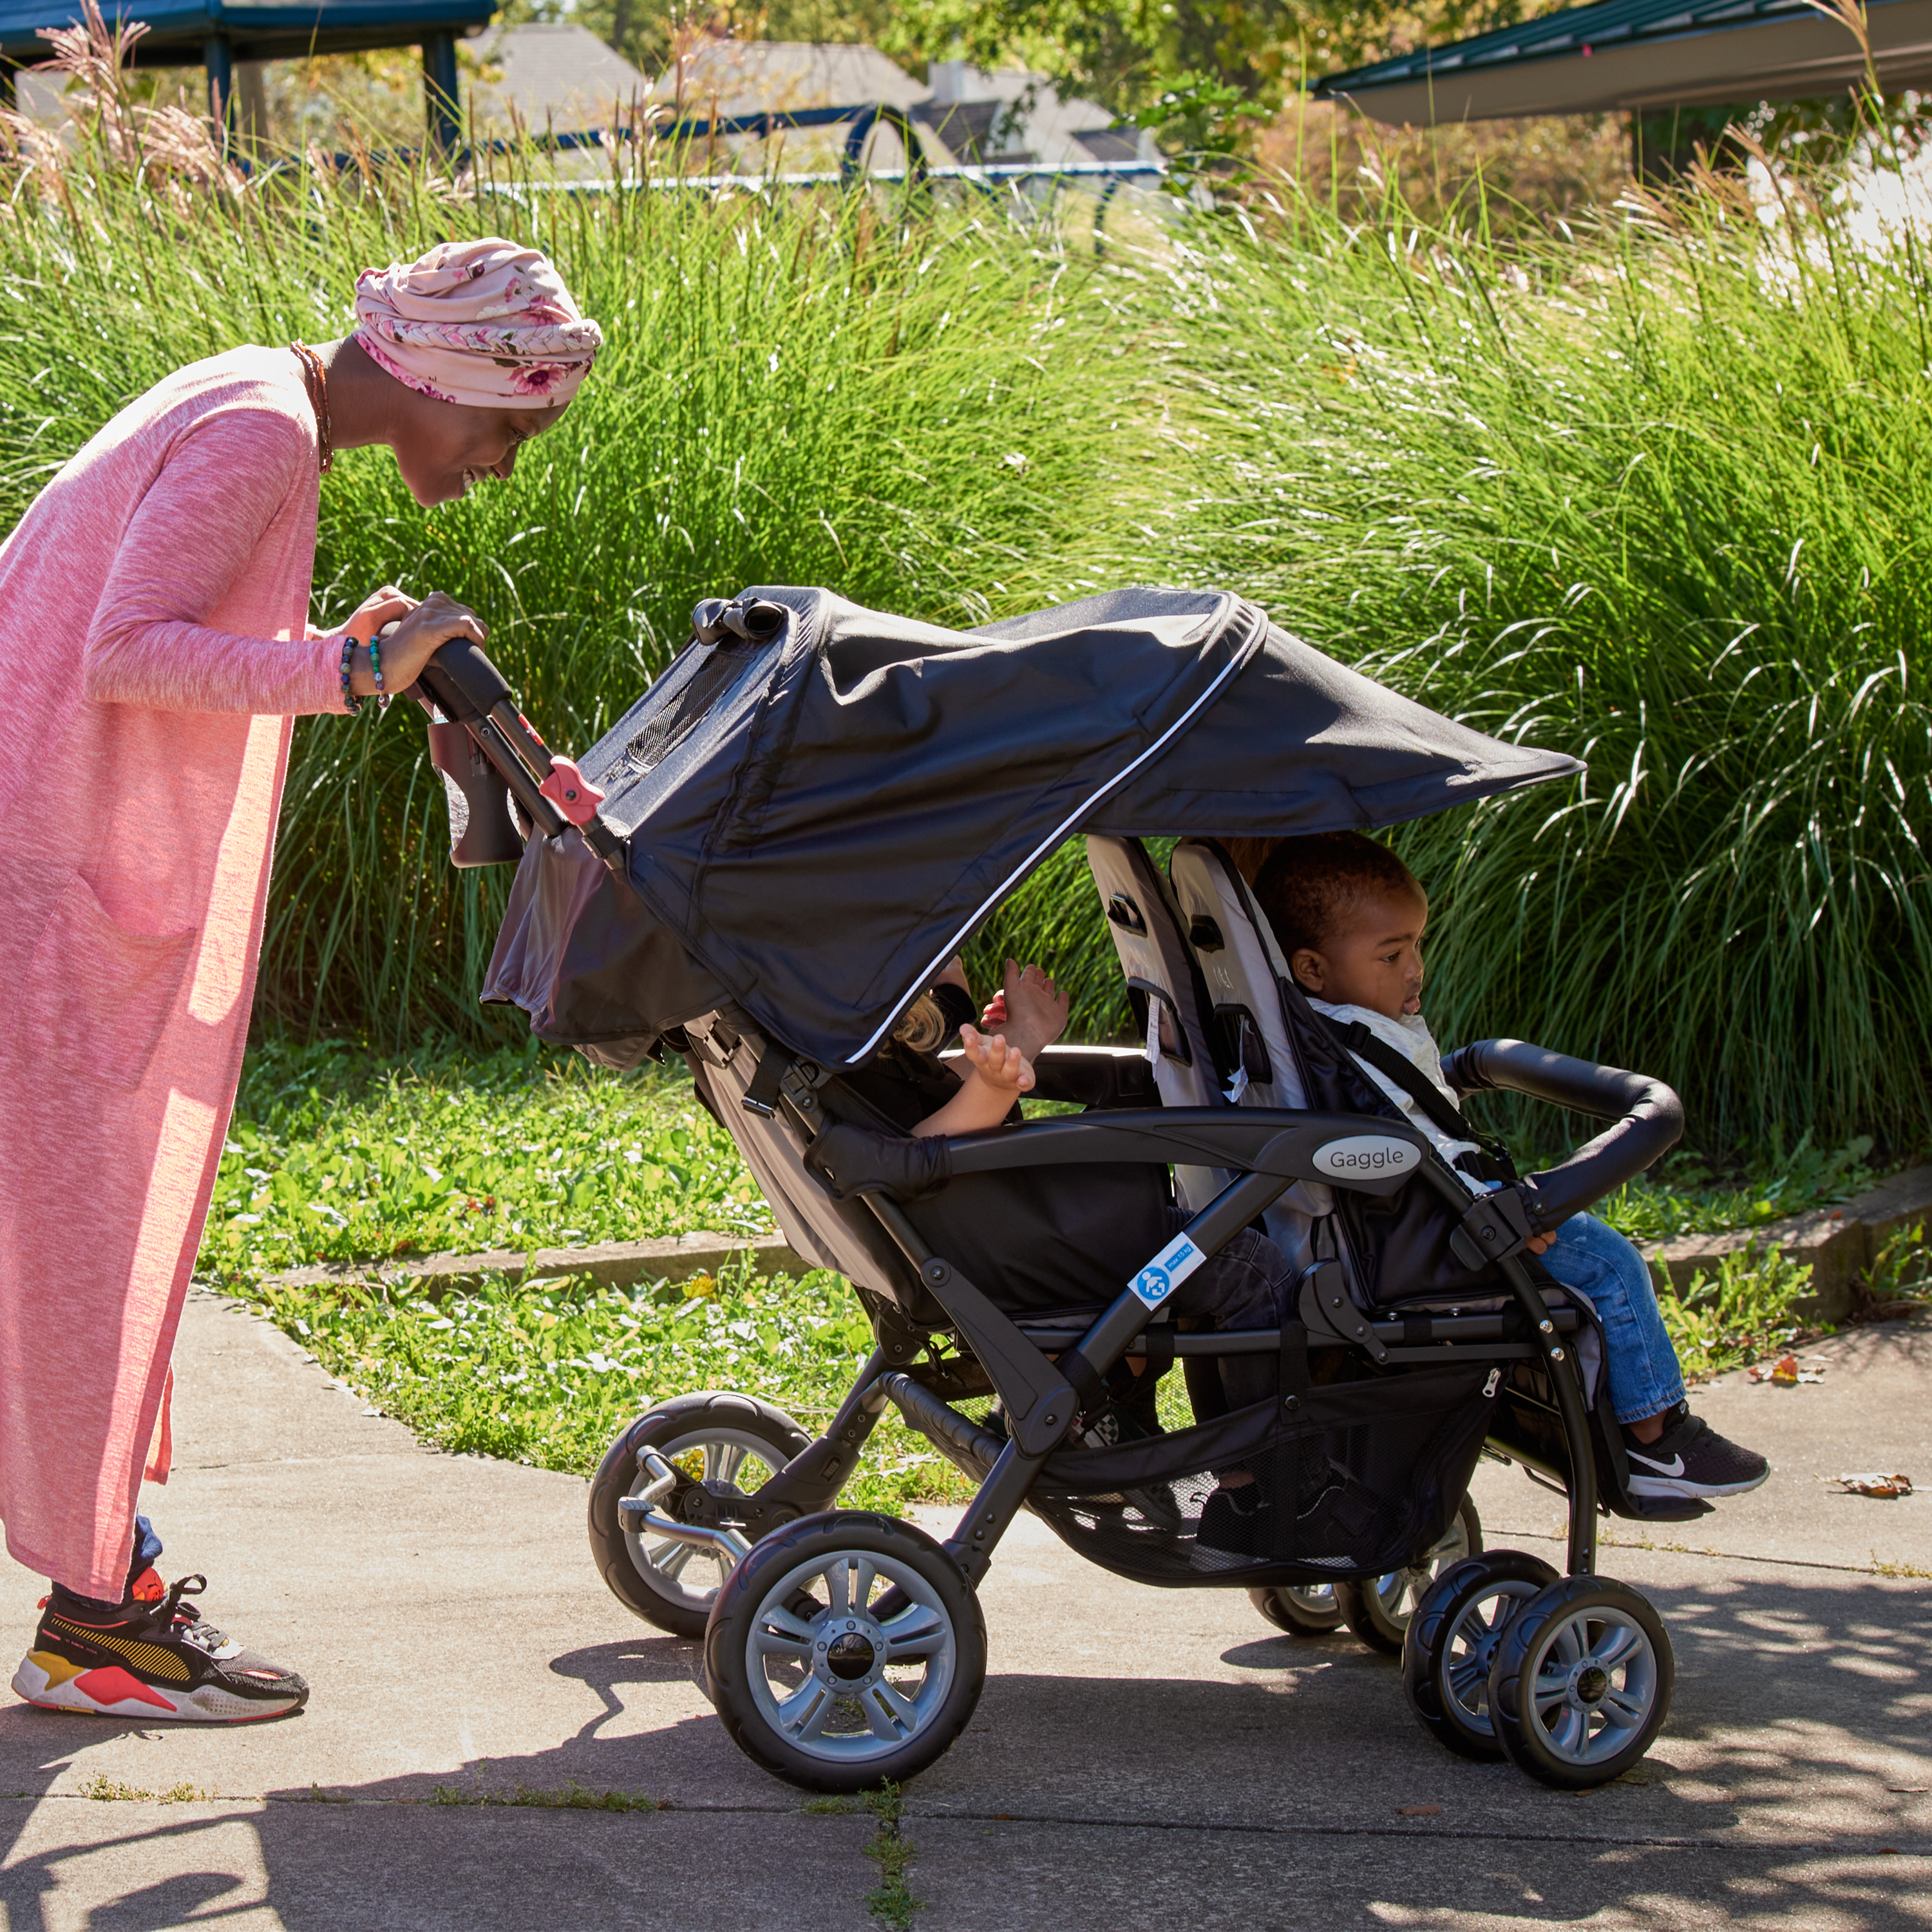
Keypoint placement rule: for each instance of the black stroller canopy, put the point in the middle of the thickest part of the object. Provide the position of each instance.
(816, 821)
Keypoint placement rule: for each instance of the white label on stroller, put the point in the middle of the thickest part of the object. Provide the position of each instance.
(1362, 1155)
(1167, 1270)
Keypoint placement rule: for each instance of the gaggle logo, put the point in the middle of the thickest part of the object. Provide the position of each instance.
(1365, 1154)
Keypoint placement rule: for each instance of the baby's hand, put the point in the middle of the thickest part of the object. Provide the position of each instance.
(995, 1061)
(995, 1015)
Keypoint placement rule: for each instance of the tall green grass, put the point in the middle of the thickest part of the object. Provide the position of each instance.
(1655, 493)
(1659, 497)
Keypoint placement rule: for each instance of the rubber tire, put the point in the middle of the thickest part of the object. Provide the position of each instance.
(1521, 1644)
(1297, 1619)
(617, 1474)
(1442, 1605)
(823, 1536)
(1361, 1604)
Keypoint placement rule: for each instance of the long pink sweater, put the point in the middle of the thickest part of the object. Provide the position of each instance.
(154, 644)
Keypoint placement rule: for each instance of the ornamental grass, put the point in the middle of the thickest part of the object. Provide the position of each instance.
(1653, 491)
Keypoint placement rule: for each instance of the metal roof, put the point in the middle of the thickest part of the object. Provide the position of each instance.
(178, 29)
(1644, 56)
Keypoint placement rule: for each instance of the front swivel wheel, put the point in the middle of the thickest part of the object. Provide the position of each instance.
(1452, 1640)
(727, 1443)
(846, 1649)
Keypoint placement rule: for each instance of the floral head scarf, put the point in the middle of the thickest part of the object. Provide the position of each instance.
(488, 323)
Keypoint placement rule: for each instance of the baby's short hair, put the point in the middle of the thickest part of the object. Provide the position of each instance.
(1309, 884)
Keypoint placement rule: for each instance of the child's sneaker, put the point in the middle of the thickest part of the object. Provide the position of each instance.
(155, 1658)
(1690, 1458)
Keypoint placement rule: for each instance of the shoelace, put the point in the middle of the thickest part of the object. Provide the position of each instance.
(183, 1621)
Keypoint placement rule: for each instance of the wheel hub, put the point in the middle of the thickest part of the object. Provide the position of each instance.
(848, 1654)
(1587, 1683)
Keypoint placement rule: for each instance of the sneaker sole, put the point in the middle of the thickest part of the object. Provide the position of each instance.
(53, 1685)
(1690, 1491)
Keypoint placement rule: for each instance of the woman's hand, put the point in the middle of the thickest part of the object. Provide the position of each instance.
(1030, 1008)
(381, 607)
(423, 628)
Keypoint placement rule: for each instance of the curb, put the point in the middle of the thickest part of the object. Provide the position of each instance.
(1838, 1244)
(610, 1263)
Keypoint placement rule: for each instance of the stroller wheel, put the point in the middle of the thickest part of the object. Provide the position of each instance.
(720, 1440)
(1581, 1682)
(1378, 1609)
(846, 1649)
(1302, 1610)
(1453, 1640)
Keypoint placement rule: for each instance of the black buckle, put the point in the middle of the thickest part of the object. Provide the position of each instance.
(1493, 1228)
(761, 1097)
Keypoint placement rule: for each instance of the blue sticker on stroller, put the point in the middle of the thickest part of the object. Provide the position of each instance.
(1167, 1270)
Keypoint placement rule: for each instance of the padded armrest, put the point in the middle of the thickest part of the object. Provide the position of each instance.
(1649, 1118)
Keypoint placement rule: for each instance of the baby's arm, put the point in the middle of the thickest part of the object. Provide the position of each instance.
(997, 1074)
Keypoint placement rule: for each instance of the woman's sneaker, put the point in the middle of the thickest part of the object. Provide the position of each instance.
(1690, 1458)
(152, 1660)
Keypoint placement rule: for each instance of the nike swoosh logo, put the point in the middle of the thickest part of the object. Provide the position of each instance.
(1675, 1467)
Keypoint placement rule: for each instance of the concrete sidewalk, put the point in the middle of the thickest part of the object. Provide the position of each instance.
(1141, 1758)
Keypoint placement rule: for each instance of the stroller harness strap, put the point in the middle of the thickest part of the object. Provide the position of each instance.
(1491, 1163)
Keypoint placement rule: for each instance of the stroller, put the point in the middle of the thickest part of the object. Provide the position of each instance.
(765, 864)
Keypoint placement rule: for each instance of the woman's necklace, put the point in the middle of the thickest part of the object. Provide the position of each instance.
(316, 378)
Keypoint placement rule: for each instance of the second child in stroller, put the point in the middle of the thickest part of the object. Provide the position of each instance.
(1349, 917)
(1249, 1284)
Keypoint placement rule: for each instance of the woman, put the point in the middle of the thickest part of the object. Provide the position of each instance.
(155, 646)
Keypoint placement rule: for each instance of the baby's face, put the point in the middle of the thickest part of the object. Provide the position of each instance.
(1373, 959)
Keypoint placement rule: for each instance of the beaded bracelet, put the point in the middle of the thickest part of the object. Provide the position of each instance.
(376, 671)
(350, 702)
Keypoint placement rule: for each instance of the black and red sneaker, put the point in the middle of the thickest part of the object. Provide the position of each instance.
(154, 1659)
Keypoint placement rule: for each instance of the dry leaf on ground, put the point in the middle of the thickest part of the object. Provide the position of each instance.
(1886, 1487)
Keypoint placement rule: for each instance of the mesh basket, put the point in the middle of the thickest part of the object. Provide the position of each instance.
(1357, 1480)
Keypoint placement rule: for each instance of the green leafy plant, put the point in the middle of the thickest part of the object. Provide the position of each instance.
(1899, 1279)
(1743, 1313)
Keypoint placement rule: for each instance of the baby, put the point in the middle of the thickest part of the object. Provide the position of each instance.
(999, 1066)
(1349, 917)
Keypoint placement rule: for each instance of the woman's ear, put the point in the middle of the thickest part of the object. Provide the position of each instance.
(1305, 963)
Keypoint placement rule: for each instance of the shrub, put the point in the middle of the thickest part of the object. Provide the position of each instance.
(1657, 497)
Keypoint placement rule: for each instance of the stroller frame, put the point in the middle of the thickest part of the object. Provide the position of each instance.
(1271, 1150)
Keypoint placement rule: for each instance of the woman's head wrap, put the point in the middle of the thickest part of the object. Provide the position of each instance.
(487, 323)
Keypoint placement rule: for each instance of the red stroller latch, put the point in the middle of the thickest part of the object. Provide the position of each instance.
(571, 792)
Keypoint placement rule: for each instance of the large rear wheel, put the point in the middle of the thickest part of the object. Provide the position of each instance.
(730, 1445)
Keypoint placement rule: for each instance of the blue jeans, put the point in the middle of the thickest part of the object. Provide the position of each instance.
(1600, 1265)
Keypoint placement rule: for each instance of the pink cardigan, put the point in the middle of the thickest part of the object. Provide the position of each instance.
(153, 643)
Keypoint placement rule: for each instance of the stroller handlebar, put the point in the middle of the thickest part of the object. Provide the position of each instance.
(1649, 1118)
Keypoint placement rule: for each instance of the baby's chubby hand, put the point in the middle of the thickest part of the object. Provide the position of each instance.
(995, 1061)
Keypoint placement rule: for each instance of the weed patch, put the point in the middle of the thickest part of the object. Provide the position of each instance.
(573, 1797)
(891, 1902)
(1740, 1314)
